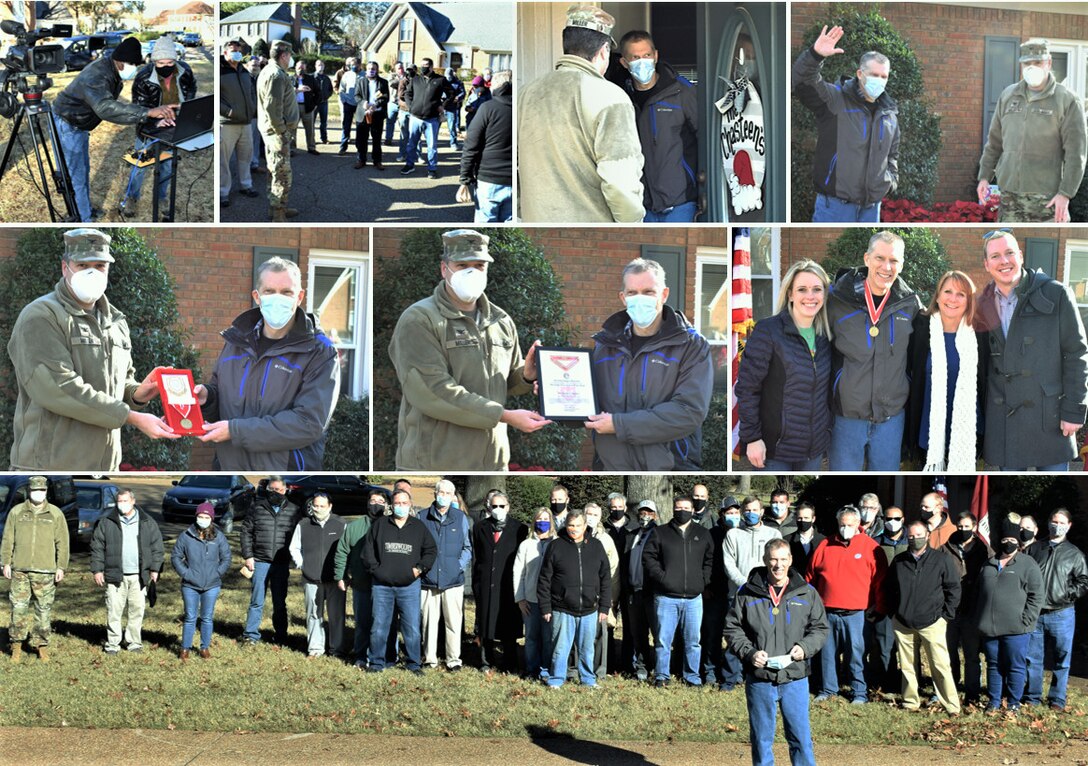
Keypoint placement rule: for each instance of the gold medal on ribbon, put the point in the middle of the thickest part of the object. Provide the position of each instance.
(874, 331)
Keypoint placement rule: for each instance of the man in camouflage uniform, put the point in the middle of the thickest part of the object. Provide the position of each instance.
(277, 119)
(34, 552)
(1037, 143)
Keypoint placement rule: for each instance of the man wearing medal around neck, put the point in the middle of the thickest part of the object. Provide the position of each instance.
(871, 310)
(777, 622)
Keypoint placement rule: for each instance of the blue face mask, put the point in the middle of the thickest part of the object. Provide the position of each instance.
(642, 309)
(542, 527)
(730, 520)
(277, 310)
(642, 70)
(874, 86)
(751, 518)
(441, 501)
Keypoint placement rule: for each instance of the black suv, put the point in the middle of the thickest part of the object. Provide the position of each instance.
(62, 493)
(348, 494)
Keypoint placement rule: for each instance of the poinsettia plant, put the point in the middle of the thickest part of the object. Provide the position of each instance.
(906, 211)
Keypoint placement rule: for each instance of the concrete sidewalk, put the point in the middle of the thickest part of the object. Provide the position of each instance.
(142, 747)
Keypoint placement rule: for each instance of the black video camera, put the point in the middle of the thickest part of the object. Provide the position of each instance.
(26, 56)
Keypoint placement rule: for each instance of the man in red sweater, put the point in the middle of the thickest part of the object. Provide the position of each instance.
(847, 570)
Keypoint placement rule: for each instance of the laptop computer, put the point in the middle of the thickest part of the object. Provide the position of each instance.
(192, 127)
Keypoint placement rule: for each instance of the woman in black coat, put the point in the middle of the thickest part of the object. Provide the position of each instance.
(783, 386)
(495, 542)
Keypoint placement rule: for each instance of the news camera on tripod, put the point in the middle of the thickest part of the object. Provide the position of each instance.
(90, 99)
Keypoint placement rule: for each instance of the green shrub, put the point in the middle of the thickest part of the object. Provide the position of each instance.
(523, 283)
(716, 434)
(590, 488)
(925, 256)
(1078, 206)
(527, 493)
(347, 441)
(140, 287)
(260, 48)
(920, 143)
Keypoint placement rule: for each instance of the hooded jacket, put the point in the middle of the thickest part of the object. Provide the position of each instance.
(579, 156)
(783, 391)
(237, 95)
(1038, 375)
(1065, 576)
(922, 590)
(869, 375)
(659, 396)
(857, 144)
(1009, 597)
(201, 564)
(278, 402)
(1037, 142)
(75, 384)
(667, 126)
(266, 534)
(450, 533)
(743, 548)
(107, 544)
(574, 578)
(455, 375)
(678, 562)
(488, 152)
(391, 552)
(92, 97)
(752, 626)
(35, 541)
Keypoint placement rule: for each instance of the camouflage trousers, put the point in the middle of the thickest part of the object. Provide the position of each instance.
(40, 587)
(1025, 208)
(278, 153)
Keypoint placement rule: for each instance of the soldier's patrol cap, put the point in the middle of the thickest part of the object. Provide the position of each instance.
(38, 482)
(1035, 49)
(591, 17)
(729, 502)
(462, 245)
(83, 245)
(649, 505)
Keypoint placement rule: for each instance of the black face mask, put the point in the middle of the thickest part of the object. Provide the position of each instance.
(375, 510)
(804, 526)
(425, 71)
(961, 538)
(1026, 535)
(276, 498)
(682, 517)
(927, 515)
(558, 508)
(699, 505)
(1009, 547)
(165, 71)
(616, 515)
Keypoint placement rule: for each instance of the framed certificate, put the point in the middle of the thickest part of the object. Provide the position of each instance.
(565, 387)
(179, 404)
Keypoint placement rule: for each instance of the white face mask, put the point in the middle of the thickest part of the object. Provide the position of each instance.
(124, 508)
(203, 522)
(893, 525)
(847, 532)
(499, 514)
(88, 285)
(37, 496)
(592, 521)
(291, 63)
(469, 284)
(1034, 76)
(322, 513)
(128, 71)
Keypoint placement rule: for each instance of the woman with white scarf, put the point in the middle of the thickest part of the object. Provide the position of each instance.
(948, 361)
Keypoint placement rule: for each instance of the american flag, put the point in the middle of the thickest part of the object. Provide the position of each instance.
(941, 488)
(740, 303)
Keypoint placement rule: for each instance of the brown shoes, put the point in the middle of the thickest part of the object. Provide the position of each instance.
(43, 653)
(360, 165)
(205, 654)
(184, 655)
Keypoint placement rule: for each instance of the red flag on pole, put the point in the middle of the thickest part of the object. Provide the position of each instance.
(980, 506)
(740, 304)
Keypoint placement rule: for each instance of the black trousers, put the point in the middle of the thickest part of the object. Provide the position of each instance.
(372, 134)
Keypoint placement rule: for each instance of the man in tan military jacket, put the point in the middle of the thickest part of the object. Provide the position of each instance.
(277, 119)
(73, 364)
(457, 358)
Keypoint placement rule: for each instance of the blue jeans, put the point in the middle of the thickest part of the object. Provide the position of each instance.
(258, 147)
(322, 114)
(391, 120)
(684, 213)
(850, 437)
(404, 119)
(568, 631)
(453, 124)
(363, 608)
(1006, 668)
(847, 635)
(962, 632)
(1056, 468)
(136, 175)
(76, 145)
(1051, 646)
(494, 203)
(348, 111)
(780, 466)
(764, 698)
(202, 603)
(385, 600)
(268, 576)
(687, 614)
(831, 210)
(538, 643)
(419, 127)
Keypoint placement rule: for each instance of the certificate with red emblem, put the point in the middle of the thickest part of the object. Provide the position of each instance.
(179, 404)
(565, 386)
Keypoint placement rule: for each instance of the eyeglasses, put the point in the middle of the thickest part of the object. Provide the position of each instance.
(995, 233)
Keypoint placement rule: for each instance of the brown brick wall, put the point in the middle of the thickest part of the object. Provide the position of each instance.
(949, 41)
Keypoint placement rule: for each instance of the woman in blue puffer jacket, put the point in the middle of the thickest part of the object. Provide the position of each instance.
(201, 557)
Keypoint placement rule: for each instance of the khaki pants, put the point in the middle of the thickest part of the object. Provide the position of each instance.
(449, 604)
(130, 594)
(232, 139)
(934, 640)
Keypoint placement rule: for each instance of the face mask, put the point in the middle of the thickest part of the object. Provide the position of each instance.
(644, 521)
(322, 514)
(699, 505)
(804, 526)
(893, 525)
(235, 56)
(1058, 529)
(847, 532)
(1026, 535)
(542, 527)
(731, 520)
(37, 496)
(128, 71)
(642, 309)
(682, 517)
(558, 507)
(1009, 547)
(616, 515)
(371, 75)
(960, 537)
(277, 310)
(203, 522)
(751, 518)
(642, 70)
(276, 498)
(468, 284)
(917, 543)
(400, 511)
(874, 86)
(291, 63)
(499, 515)
(165, 71)
(425, 71)
(778, 509)
(124, 508)
(356, 68)
(867, 516)
(320, 70)
(927, 515)
(1034, 76)
(88, 285)
(442, 501)
(375, 510)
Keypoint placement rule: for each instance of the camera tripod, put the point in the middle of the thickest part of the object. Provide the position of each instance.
(43, 133)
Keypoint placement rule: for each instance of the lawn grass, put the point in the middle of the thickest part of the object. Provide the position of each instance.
(20, 200)
(273, 689)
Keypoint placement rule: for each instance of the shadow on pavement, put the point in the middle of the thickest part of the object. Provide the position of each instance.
(577, 750)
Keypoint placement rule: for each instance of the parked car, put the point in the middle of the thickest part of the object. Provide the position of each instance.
(230, 494)
(62, 493)
(191, 40)
(93, 499)
(348, 494)
(81, 50)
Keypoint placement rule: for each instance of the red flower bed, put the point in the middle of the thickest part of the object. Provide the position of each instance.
(905, 211)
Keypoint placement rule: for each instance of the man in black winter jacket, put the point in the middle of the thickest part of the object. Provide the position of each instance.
(425, 94)
(678, 561)
(575, 593)
(486, 162)
(126, 555)
(266, 533)
(667, 116)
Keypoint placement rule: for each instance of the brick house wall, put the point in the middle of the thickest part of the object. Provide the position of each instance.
(949, 41)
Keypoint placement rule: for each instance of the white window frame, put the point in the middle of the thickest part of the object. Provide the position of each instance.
(404, 57)
(776, 267)
(405, 29)
(1070, 246)
(360, 261)
(710, 256)
(497, 62)
(1077, 50)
